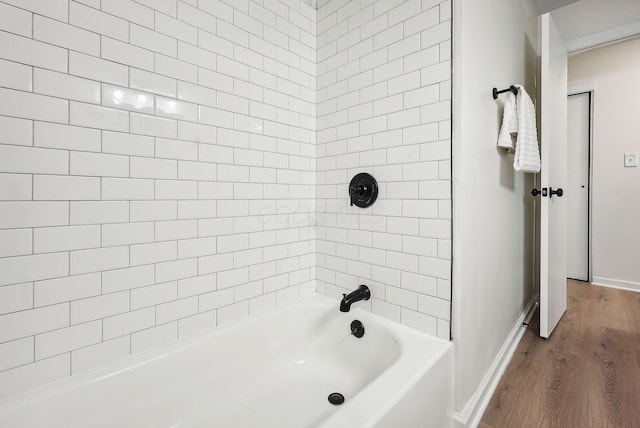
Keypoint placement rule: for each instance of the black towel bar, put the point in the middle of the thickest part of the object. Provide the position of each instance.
(510, 88)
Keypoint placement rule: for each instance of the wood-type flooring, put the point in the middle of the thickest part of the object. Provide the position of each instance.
(586, 375)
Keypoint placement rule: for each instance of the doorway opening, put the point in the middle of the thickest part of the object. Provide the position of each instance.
(579, 150)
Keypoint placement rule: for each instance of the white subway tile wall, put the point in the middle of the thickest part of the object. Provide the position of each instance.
(384, 107)
(167, 170)
(157, 174)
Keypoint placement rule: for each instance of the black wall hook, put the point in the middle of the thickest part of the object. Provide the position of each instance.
(510, 88)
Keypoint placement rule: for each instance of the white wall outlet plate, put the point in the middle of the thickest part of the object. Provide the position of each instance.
(630, 159)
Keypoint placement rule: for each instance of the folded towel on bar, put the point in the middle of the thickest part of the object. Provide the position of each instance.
(509, 128)
(527, 156)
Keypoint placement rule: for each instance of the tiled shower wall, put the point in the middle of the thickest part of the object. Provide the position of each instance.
(157, 173)
(384, 91)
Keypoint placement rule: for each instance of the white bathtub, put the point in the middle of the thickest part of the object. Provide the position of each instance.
(275, 369)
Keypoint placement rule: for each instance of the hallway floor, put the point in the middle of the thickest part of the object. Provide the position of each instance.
(587, 374)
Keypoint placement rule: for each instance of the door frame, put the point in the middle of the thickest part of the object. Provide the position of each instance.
(577, 90)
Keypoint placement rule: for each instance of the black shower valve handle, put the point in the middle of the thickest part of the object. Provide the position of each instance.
(363, 190)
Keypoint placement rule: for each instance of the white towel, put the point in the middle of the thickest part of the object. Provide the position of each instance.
(509, 127)
(527, 156)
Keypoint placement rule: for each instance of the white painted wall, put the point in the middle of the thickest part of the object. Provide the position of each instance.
(613, 71)
(494, 45)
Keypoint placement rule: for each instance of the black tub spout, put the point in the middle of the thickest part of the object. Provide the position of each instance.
(361, 293)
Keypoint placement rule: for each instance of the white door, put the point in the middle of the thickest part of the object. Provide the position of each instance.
(577, 191)
(553, 208)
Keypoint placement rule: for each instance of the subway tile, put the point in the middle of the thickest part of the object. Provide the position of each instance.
(33, 106)
(57, 9)
(15, 20)
(174, 189)
(14, 187)
(33, 160)
(125, 53)
(153, 168)
(33, 267)
(98, 22)
(127, 278)
(176, 109)
(97, 212)
(67, 339)
(175, 229)
(61, 188)
(127, 144)
(165, 6)
(197, 132)
(197, 94)
(16, 131)
(65, 238)
(127, 189)
(58, 136)
(127, 323)
(176, 149)
(422, 21)
(154, 210)
(435, 189)
(17, 297)
(94, 308)
(33, 321)
(32, 52)
(126, 99)
(176, 68)
(153, 253)
(215, 300)
(98, 164)
(174, 270)
(33, 214)
(152, 295)
(131, 11)
(127, 233)
(66, 289)
(196, 17)
(94, 260)
(66, 36)
(152, 82)
(178, 309)
(215, 263)
(219, 9)
(92, 116)
(153, 41)
(98, 69)
(196, 285)
(177, 29)
(14, 75)
(436, 73)
(16, 353)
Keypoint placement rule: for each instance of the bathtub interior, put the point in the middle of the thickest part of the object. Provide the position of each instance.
(274, 369)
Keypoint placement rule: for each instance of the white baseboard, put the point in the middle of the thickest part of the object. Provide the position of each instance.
(475, 407)
(616, 283)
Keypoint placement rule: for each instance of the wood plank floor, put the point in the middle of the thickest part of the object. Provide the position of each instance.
(587, 374)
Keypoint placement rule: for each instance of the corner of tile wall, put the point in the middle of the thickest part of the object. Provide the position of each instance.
(170, 166)
(384, 107)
